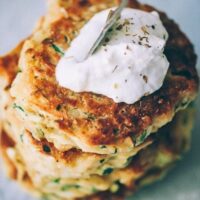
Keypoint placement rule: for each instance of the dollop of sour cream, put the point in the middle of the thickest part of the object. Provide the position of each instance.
(128, 65)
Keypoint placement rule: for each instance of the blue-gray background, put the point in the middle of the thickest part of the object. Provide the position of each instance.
(17, 18)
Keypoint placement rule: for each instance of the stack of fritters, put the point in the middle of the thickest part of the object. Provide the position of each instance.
(67, 145)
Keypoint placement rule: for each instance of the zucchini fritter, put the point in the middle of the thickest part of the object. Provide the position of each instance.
(88, 121)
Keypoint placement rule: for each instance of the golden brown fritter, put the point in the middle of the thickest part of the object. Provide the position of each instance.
(141, 164)
(94, 119)
(61, 161)
(90, 118)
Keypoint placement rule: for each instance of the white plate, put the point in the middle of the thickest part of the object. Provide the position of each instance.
(17, 19)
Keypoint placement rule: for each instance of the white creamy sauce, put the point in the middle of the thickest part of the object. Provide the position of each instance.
(128, 65)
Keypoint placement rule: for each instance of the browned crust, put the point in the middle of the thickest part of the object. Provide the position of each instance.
(103, 115)
(9, 64)
(68, 157)
(7, 142)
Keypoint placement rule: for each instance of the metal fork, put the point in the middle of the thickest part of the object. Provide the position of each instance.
(112, 18)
